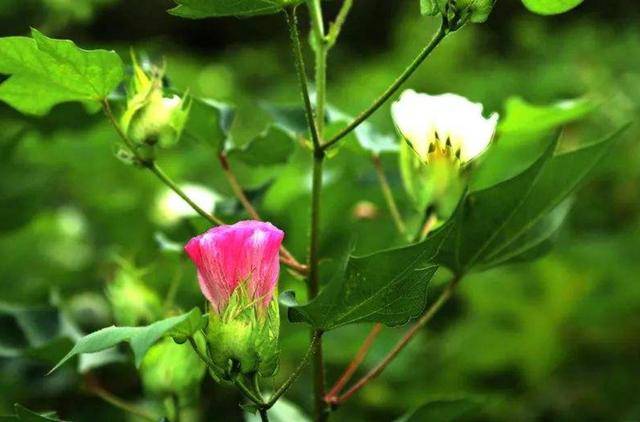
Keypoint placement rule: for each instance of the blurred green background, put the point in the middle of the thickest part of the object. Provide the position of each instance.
(558, 339)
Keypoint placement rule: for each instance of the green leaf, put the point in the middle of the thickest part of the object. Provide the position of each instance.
(523, 117)
(522, 134)
(199, 9)
(209, 121)
(489, 223)
(272, 147)
(389, 287)
(551, 7)
(443, 410)
(45, 72)
(140, 338)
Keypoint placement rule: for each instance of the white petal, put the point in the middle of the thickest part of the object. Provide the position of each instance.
(413, 118)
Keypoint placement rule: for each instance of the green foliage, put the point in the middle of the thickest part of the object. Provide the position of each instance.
(489, 222)
(476, 11)
(140, 338)
(26, 415)
(209, 122)
(271, 147)
(551, 7)
(443, 410)
(45, 72)
(198, 9)
(388, 287)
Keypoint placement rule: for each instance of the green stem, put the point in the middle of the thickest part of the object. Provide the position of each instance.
(120, 403)
(292, 23)
(426, 51)
(248, 393)
(296, 373)
(153, 167)
(336, 27)
(264, 417)
(388, 195)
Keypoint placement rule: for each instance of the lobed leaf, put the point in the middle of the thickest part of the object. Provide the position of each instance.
(489, 224)
(272, 147)
(45, 72)
(389, 287)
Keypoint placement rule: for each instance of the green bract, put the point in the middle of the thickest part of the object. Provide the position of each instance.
(198, 9)
(244, 338)
(476, 11)
(45, 72)
(151, 117)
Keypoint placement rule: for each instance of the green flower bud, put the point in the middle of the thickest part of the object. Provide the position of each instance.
(458, 12)
(171, 368)
(133, 303)
(150, 117)
(243, 339)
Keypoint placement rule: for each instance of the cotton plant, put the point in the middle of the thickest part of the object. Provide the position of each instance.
(441, 140)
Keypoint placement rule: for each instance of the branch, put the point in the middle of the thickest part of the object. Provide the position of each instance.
(292, 23)
(388, 195)
(94, 388)
(296, 373)
(285, 256)
(332, 395)
(377, 370)
(336, 27)
(438, 37)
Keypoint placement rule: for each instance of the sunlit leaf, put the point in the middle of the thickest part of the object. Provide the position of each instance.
(551, 7)
(388, 287)
(45, 72)
(140, 338)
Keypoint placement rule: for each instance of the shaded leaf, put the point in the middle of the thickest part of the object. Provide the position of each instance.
(26, 415)
(198, 9)
(271, 147)
(443, 410)
(45, 72)
(488, 223)
(389, 287)
(209, 121)
(140, 338)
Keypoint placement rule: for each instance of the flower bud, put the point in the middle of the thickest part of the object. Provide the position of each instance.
(150, 117)
(458, 12)
(238, 268)
(170, 368)
(132, 302)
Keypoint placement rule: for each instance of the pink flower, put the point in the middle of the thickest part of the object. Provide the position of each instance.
(228, 256)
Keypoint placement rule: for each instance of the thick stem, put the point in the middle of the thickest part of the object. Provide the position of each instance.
(314, 287)
(332, 396)
(264, 417)
(410, 334)
(438, 37)
(388, 195)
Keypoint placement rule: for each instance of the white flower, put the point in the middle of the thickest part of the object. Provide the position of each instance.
(171, 208)
(443, 125)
